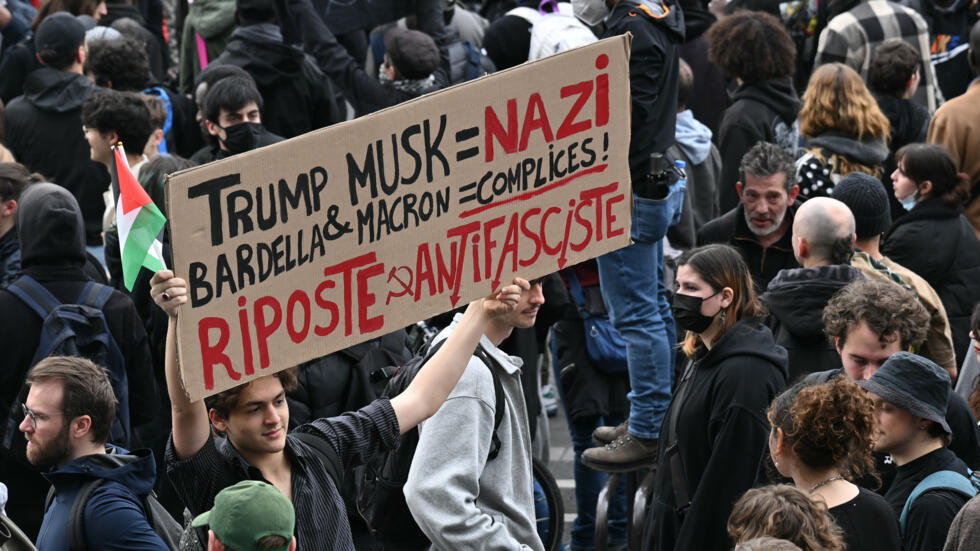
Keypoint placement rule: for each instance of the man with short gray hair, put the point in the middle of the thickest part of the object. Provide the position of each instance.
(759, 227)
(823, 240)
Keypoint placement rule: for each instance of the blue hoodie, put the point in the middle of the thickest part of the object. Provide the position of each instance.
(692, 137)
(114, 515)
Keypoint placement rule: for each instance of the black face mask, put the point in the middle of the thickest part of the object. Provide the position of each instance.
(687, 313)
(243, 137)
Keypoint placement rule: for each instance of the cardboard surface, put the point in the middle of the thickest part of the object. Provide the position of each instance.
(317, 243)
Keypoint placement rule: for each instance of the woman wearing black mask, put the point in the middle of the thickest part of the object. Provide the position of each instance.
(714, 436)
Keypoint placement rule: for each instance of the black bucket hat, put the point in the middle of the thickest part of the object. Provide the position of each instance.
(914, 384)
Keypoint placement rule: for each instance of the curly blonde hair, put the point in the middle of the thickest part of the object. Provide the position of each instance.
(784, 512)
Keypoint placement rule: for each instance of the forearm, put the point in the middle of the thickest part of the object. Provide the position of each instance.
(436, 380)
(190, 419)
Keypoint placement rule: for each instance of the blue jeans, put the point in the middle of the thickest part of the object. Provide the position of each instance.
(632, 285)
(588, 482)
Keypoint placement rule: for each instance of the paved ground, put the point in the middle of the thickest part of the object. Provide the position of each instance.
(560, 464)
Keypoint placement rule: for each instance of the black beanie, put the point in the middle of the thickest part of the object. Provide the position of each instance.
(866, 197)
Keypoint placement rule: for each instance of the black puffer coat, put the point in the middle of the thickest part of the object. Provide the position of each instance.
(938, 243)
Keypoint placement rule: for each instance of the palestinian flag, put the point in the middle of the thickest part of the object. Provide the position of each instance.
(139, 222)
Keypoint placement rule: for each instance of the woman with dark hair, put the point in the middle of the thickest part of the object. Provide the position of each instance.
(845, 131)
(755, 49)
(934, 239)
(821, 438)
(785, 512)
(713, 438)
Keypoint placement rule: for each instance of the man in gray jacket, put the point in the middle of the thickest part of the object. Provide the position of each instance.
(460, 497)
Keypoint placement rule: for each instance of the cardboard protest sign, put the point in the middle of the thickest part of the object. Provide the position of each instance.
(312, 245)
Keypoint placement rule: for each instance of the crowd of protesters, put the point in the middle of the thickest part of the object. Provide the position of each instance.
(795, 326)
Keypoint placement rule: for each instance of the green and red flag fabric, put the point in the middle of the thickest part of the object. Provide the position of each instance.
(139, 222)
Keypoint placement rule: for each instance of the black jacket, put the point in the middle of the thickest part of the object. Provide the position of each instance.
(938, 243)
(19, 61)
(712, 99)
(53, 253)
(930, 516)
(653, 75)
(721, 436)
(9, 257)
(44, 132)
(764, 263)
(297, 96)
(760, 111)
(796, 298)
(362, 90)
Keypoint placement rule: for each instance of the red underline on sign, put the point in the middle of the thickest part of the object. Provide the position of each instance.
(529, 194)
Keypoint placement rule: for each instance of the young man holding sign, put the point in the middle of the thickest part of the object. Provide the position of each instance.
(254, 417)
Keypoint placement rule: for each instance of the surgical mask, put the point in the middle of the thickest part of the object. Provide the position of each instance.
(243, 137)
(590, 12)
(909, 201)
(687, 313)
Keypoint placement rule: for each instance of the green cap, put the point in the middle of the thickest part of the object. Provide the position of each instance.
(247, 512)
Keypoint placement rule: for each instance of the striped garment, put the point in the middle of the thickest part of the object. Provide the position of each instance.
(850, 38)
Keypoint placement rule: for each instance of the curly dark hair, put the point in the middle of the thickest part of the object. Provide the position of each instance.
(892, 65)
(887, 308)
(223, 402)
(121, 64)
(121, 112)
(753, 46)
(827, 425)
(784, 512)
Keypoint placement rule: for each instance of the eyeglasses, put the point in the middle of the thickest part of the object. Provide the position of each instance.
(35, 417)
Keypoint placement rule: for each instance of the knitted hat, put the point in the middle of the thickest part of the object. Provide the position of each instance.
(914, 384)
(414, 54)
(868, 201)
(59, 34)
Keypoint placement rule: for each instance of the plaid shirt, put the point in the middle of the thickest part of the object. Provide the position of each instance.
(850, 39)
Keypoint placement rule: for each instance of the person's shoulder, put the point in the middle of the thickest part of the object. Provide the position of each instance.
(718, 230)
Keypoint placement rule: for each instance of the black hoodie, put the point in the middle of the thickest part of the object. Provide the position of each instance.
(721, 436)
(796, 298)
(760, 111)
(44, 132)
(297, 96)
(53, 253)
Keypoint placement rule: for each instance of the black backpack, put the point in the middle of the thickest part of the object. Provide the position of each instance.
(380, 500)
(80, 330)
(160, 520)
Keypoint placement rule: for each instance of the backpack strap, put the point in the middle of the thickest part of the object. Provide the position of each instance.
(498, 405)
(76, 519)
(328, 453)
(34, 295)
(95, 295)
(473, 67)
(939, 480)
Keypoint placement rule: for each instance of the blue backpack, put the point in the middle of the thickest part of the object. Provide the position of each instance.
(76, 330)
(941, 480)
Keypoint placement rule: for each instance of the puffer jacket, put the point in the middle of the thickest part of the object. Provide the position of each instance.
(938, 243)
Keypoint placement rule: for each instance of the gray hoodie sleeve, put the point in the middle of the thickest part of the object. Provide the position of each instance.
(444, 480)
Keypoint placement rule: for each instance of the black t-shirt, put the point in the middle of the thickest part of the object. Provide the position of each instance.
(868, 523)
(931, 514)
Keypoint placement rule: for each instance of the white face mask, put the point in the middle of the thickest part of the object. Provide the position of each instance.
(590, 12)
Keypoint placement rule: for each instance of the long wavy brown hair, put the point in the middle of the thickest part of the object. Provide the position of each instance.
(785, 512)
(837, 100)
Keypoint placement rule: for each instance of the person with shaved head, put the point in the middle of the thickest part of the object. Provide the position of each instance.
(823, 239)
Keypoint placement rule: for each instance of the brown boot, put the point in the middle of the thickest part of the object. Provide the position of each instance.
(604, 435)
(623, 454)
